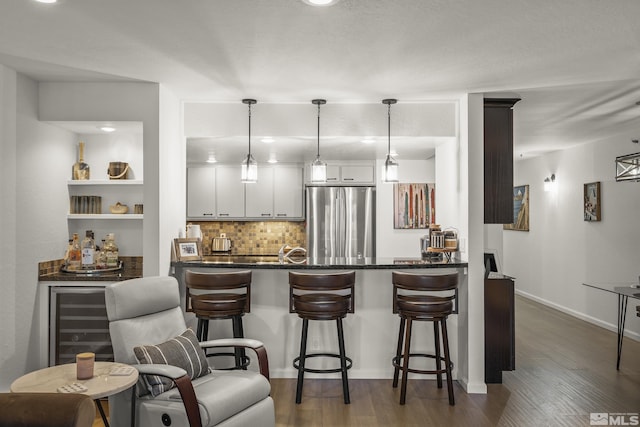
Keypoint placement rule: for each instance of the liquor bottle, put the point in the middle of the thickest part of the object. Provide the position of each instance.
(80, 170)
(75, 254)
(111, 251)
(101, 261)
(88, 250)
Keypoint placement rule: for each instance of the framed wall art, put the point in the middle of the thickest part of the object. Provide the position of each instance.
(414, 205)
(592, 201)
(189, 249)
(520, 209)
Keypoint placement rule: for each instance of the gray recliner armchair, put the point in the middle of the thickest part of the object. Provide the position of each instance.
(146, 312)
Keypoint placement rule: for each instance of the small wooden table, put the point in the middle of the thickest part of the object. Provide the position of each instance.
(48, 380)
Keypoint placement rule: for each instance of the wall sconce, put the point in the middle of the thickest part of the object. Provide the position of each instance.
(628, 167)
(550, 182)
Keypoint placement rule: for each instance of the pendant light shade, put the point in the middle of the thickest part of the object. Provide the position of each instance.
(318, 167)
(249, 164)
(390, 168)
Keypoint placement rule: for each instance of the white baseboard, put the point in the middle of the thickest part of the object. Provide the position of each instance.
(579, 315)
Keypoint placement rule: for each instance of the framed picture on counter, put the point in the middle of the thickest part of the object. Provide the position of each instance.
(592, 201)
(189, 249)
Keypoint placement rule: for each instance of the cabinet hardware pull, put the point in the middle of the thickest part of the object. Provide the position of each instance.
(283, 214)
(348, 179)
(207, 214)
(223, 214)
(266, 214)
(332, 179)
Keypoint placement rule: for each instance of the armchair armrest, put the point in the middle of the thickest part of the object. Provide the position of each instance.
(168, 371)
(183, 383)
(255, 345)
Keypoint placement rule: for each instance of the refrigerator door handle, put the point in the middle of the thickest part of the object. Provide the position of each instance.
(341, 228)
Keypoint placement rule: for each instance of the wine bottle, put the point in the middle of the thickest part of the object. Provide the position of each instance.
(80, 170)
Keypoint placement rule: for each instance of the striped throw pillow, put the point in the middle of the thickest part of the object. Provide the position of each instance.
(183, 351)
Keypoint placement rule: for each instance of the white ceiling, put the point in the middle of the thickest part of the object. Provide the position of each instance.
(575, 63)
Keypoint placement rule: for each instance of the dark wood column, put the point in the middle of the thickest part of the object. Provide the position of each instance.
(498, 160)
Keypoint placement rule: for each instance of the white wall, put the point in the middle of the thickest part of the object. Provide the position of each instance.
(34, 208)
(400, 243)
(561, 250)
(470, 196)
(8, 208)
(173, 176)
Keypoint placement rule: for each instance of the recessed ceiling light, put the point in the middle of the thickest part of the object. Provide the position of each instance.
(272, 159)
(320, 2)
(267, 140)
(211, 158)
(107, 128)
(47, 1)
(368, 141)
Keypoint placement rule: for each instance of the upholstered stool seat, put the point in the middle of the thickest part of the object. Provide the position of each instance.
(322, 297)
(208, 297)
(418, 303)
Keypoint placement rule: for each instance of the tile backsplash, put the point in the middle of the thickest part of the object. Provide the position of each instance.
(253, 238)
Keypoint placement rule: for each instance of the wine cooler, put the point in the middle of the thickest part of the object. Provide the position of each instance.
(78, 324)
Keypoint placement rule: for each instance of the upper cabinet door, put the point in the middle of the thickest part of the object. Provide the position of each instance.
(259, 195)
(288, 195)
(201, 185)
(333, 173)
(229, 192)
(360, 174)
(498, 160)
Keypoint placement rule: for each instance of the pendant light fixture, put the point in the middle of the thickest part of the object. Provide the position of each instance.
(390, 170)
(249, 165)
(318, 167)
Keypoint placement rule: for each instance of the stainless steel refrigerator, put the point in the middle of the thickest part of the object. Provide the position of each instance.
(340, 222)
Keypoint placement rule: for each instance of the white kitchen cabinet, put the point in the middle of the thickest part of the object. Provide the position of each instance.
(348, 173)
(216, 193)
(259, 195)
(357, 174)
(288, 192)
(201, 186)
(230, 192)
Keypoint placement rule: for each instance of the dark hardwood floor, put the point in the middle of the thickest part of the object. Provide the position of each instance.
(565, 370)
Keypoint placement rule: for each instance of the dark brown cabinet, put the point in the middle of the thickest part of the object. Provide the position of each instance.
(499, 329)
(498, 160)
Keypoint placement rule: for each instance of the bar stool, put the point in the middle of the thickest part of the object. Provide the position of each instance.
(322, 297)
(415, 305)
(213, 300)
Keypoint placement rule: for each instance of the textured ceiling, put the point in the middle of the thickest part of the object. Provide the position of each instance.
(575, 63)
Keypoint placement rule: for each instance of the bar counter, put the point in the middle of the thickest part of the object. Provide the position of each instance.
(371, 332)
(274, 262)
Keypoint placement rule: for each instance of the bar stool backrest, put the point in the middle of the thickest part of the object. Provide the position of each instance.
(217, 283)
(423, 283)
(341, 283)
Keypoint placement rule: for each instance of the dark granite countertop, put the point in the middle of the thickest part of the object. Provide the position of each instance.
(49, 271)
(272, 262)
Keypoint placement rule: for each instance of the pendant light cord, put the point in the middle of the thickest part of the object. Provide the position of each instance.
(389, 129)
(318, 154)
(249, 130)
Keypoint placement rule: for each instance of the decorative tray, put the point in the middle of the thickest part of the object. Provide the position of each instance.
(87, 271)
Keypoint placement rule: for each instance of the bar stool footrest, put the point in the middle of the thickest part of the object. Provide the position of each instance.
(296, 363)
(397, 359)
